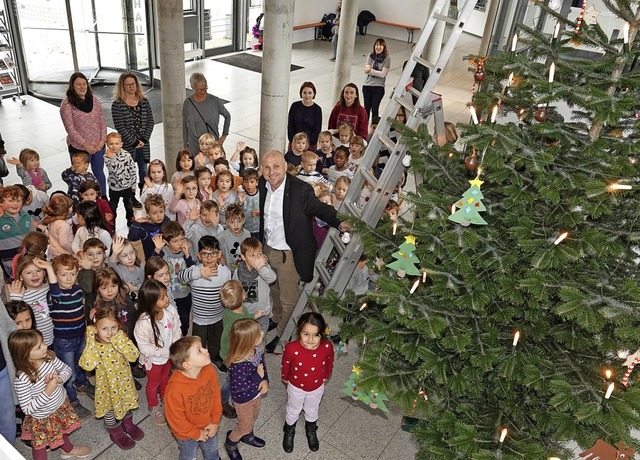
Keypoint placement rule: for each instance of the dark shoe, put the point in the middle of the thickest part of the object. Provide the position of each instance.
(81, 411)
(253, 440)
(132, 429)
(219, 364)
(289, 434)
(272, 325)
(135, 203)
(86, 389)
(138, 372)
(137, 384)
(312, 437)
(229, 411)
(118, 436)
(232, 448)
(271, 346)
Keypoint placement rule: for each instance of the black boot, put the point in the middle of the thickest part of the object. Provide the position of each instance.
(312, 438)
(271, 346)
(289, 434)
(232, 448)
(253, 440)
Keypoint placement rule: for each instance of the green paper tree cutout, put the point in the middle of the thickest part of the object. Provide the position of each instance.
(470, 206)
(373, 398)
(406, 261)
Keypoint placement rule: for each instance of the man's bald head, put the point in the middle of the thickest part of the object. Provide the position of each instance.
(274, 168)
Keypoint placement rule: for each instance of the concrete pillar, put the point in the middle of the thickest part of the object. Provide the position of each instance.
(171, 44)
(432, 49)
(492, 11)
(276, 74)
(346, 42)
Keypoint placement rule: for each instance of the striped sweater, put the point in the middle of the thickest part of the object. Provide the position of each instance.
(67, 311)
(205, 293)
(31, 396)
(37, 300)
(84, 128)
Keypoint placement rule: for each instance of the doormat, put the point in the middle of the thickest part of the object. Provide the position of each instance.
(248, 61)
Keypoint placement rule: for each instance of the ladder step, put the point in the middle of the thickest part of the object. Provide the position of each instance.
(446, 19)
(323, 273)
(424, 62)
(405, 102)
(414, 91)
(368, 176)
(388, 143)
(352, 208)
(338, 245)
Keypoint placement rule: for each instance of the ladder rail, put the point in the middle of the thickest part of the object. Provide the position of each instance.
(427, 104)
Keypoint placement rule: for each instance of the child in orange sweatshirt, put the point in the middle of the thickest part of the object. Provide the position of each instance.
(192, 399)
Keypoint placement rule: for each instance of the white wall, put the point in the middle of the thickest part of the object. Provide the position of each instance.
(412, 12)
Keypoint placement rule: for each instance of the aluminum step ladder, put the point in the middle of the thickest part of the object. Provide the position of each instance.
(427, 104)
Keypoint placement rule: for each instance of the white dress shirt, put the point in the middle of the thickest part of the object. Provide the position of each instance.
(274, 236)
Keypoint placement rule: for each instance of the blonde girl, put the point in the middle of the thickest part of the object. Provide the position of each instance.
(39, 386)
(299, 145)
(215, 151)
(204, 143)
(203, 176)
(224, 194)
(32, 287)
(341, 188)
(59, 229)
(156, 182)
(157, 328)
(124, 259)
(356, 150)
(28, 168)
(249, 381)
(184, 166)
(109, 351)
(91, 225)
(185, 198)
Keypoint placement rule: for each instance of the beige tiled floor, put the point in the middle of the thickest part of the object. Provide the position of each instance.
(348, 429)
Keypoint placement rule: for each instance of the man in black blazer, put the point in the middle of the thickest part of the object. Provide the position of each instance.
(287, 207)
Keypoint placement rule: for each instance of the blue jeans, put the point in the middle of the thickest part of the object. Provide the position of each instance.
(7, 408)
(69, 351)
(226, 390)
(138, 157)
(188, 449)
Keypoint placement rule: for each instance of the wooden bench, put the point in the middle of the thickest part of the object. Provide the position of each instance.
(410, 29)
(316, 25)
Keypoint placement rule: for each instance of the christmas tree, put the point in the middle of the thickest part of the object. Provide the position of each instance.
(521, 318)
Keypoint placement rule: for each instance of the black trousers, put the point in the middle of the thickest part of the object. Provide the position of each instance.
(372, 97)
(127, 197)
(210, 336)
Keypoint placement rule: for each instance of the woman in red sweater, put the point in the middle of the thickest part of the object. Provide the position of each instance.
(306, 365)
(349, 110)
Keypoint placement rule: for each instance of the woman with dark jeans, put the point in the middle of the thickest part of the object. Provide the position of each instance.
(83, 119)
(377, 68)
(133, 119)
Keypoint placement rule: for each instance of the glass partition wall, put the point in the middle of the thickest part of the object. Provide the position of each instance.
(97, 37)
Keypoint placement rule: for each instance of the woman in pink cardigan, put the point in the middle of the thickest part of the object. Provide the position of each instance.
(84, 122)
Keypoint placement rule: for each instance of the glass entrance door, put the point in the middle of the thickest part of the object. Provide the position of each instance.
(218, 26)
(97, 37)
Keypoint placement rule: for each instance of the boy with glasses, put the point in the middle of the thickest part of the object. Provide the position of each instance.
(206, 279)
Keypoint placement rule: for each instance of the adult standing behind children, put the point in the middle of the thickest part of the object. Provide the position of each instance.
(287, 208)
(376, 69)
(201, 114)
(305, 116)
(349, 110)
(133, 119)
(84, 122)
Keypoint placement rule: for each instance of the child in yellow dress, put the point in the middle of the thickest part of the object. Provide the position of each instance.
(109, 351)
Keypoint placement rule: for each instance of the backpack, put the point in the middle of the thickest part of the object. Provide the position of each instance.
(328, 24)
